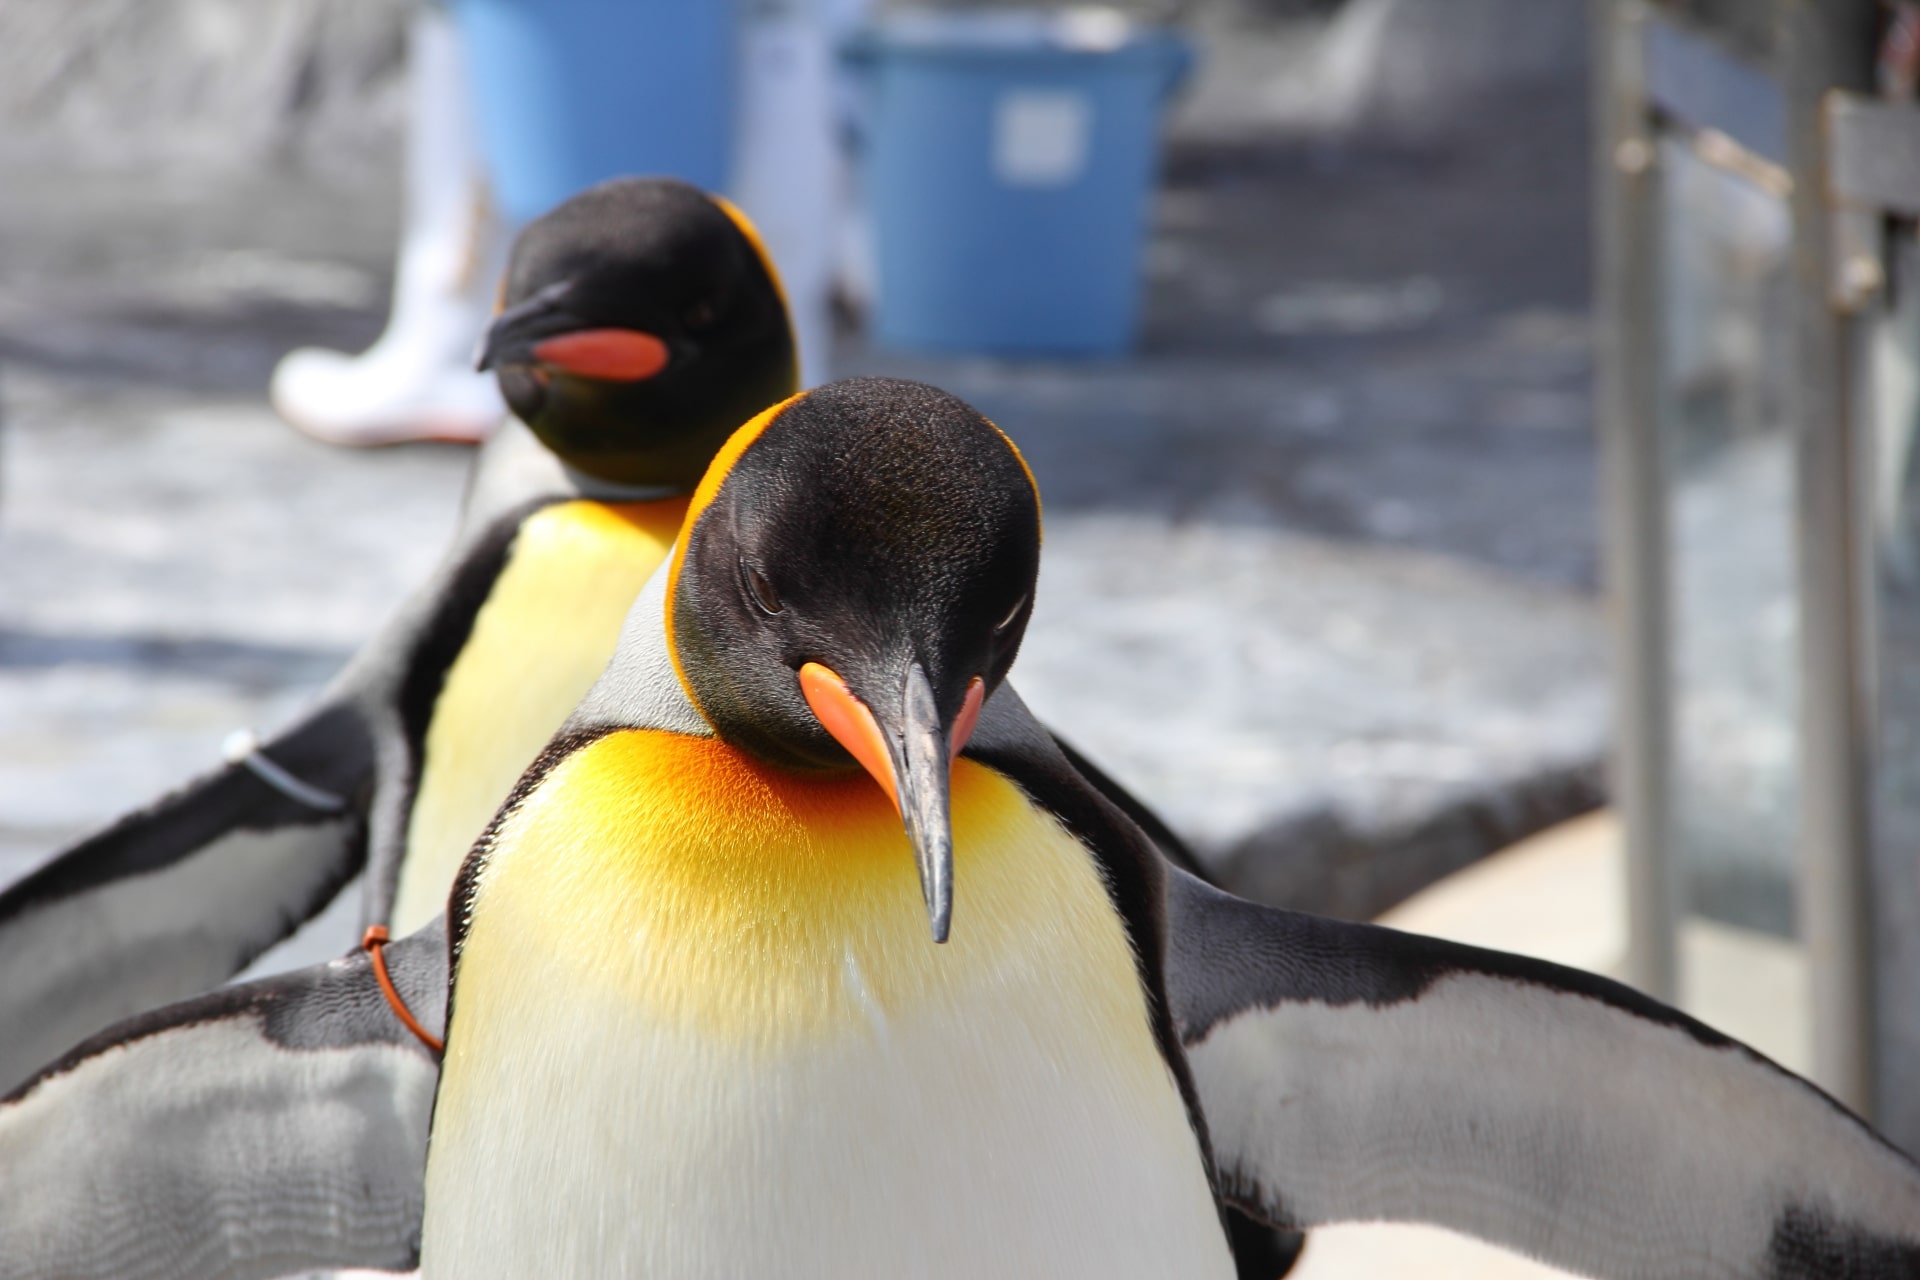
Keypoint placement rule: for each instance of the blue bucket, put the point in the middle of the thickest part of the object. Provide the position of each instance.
(1009, 165)
(571, 92)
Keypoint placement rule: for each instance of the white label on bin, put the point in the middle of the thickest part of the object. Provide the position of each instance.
(1040, 137)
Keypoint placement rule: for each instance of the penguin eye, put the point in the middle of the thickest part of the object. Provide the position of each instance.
(699, 316)
(1012, 613)
(760, 589)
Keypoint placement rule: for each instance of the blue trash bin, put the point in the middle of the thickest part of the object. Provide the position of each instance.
(1008, 167)
(571, 92)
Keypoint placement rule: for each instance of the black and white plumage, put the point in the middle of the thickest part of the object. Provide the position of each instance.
(180, 895)
(1334, 1072)
(1346, 1073)
(262, 1130)
(1352, 1072)
(177, 897)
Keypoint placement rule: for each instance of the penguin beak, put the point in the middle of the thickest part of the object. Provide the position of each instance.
(541, 332)
(910, 753)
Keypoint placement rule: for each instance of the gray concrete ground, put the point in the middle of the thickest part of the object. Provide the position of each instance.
(1319, 573)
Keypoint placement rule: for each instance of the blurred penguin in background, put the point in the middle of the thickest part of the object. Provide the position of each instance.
(417, 382)
(789, 172)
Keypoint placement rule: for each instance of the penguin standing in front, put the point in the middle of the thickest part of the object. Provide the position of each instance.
(642, 323)
(698, 963)
(802, 913)
(802, 950)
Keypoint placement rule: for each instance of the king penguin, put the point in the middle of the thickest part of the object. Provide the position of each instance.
(801, 916)
(803, 950)
(641, 323)
(695, 963)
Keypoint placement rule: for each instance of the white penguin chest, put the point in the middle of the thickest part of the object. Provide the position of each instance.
(685, 1090)
(973, 1142)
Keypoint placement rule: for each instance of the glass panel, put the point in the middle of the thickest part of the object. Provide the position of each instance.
(1893, 490)
(1730, 456)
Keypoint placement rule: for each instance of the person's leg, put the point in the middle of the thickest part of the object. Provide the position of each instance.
(418, 381)
(789, 169)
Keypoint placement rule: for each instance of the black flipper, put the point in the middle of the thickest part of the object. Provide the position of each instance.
(1260, 1252)
(1177, 850)
(177, 897)
(266, 1129)
(1096, 809)
(1350, 1072)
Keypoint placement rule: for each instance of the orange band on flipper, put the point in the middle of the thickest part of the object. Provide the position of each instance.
(373, 940)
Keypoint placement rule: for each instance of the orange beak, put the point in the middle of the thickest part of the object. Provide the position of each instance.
(853, 726)
(912, 765)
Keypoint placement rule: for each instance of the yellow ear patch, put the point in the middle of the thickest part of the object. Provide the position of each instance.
(752, 233)
(1021, 458)
(703, 496)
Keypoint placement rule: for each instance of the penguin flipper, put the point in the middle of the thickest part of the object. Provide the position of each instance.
(1350, 1072)
(1177, 851)
(1260, 1251)
(178, 896)
(265, 1129)
(1064, 781)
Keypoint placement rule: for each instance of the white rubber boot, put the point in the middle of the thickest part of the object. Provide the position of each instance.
(789, 168)
(417, 382)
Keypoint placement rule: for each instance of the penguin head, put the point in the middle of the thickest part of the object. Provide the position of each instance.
(640, 323)
(855, 578)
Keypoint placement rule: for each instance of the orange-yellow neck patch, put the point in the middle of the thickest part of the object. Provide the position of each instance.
(712, 892)
(659, 520)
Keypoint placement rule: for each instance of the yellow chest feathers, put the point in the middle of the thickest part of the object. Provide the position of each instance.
(720, 893)
(546, 631)
(700, 1029)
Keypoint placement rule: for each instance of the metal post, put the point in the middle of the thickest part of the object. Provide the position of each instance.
(1826, 44)
(1633, 487)
(1873, 170)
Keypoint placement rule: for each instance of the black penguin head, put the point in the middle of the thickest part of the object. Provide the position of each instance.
(854, 580)
(641, 323)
